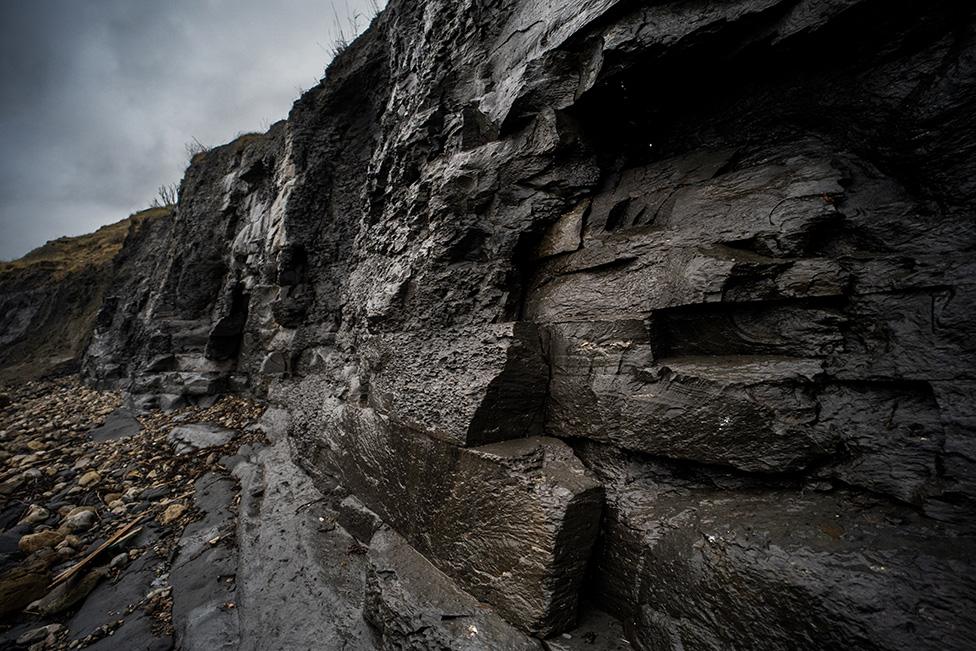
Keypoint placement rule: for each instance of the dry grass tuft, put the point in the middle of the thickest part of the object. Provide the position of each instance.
(67, 255)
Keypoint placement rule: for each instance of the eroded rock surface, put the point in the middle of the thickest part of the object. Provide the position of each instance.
(696, 275)
(415, 607)
(512, 522)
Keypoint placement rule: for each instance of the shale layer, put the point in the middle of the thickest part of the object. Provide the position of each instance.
(666, 306)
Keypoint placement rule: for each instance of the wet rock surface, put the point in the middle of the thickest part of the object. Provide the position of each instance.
(668, 303)
(204, 608)
(414, 606)
(92, 533)
(121, 423)
(466, 509)
(294, 556)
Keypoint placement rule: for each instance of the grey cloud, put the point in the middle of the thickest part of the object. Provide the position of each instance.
(99, 98)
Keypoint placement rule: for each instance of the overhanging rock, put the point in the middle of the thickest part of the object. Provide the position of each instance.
(467, 386)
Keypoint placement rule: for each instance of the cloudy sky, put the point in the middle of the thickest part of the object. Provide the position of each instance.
(98, 98)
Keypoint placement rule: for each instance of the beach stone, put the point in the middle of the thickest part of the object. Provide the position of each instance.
(199, 436)
(89, 479)
(41, 540)
(81, 521)
(172, 513)
(35, 515)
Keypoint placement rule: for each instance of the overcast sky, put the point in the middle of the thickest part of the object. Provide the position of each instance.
(98, 98)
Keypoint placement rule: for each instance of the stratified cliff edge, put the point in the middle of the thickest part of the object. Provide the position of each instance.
(663, 307)
(50, 297)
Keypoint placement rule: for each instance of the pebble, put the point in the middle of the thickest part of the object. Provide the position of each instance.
(82, 463)
(119, 561)
(172, 513)
(89, 479)
(35, 515)
(80, 521)
(33, 542)
(66, 551)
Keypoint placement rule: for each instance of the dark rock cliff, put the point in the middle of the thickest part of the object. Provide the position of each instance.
(663, 306)
(49, 299)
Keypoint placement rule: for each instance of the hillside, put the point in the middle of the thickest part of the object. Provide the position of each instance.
(49, 298)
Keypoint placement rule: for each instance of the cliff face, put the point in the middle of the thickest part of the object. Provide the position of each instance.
(665, 305)
(50, 297)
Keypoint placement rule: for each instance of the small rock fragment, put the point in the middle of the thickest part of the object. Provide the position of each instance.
(81, 521)
(37, 541)
(358, 520)
(89, 479)
(172, 513)
(39, 634)
(119, 561)
(35, 515)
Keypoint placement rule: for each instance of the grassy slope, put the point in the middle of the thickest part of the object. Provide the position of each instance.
(66, 255)
(67, 279)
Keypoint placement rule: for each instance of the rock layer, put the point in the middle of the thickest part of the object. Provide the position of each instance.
(414, 607)
(721, 251)
(512, 522)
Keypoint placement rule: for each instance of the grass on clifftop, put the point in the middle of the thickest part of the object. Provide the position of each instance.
(67, 255)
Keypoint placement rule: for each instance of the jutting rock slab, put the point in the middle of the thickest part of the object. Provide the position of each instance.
(199, 436)
(414, 606)
(512, 522)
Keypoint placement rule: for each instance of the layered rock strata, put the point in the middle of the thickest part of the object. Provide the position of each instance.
(715, 257)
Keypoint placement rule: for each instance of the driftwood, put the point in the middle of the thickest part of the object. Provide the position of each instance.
(118, 536)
